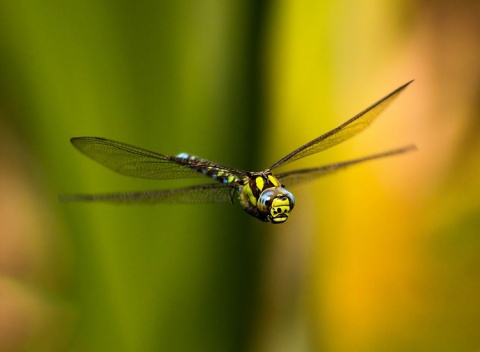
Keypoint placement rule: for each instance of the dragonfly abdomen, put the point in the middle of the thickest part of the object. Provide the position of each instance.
(208, 168)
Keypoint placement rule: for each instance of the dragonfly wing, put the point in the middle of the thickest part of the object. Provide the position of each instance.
(343, 132)
(297, 177)
(133, 161)
(209, 193)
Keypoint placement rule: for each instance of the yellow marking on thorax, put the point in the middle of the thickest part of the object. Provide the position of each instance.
(248, 192)
(260, 183)
(273, 180)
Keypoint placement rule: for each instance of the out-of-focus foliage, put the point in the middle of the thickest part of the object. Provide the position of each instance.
(380, 257)
(167, 76)
(386, 255)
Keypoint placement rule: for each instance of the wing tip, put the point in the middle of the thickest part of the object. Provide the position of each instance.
(400, 89)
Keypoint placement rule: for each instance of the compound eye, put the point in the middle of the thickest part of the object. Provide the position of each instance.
(265, 201)
(291, 199)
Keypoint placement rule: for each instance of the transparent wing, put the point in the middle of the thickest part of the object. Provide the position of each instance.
(133, 161)
(343, 132)
(209, 193)
(297, 177)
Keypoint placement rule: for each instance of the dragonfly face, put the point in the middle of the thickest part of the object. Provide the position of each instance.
(277, 203)
(261, 194)
(264, 197)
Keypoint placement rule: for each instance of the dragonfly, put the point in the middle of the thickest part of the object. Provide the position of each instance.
(261, 194)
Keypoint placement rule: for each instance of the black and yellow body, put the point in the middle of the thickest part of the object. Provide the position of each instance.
(261, 194)
(263, 197)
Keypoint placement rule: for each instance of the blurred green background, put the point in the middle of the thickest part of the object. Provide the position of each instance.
(384, 256)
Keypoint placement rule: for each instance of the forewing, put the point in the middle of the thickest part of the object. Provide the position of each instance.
(133, 161)
(343, 132)
(209, 193)
(297, 177)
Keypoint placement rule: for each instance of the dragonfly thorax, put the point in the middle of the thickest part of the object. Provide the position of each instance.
(264, 197)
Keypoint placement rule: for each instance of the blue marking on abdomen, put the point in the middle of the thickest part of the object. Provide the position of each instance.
(186, 156)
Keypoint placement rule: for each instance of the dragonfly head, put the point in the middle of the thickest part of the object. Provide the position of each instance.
(277, 203)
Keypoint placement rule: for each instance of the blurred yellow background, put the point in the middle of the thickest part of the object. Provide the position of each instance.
(381, 257)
